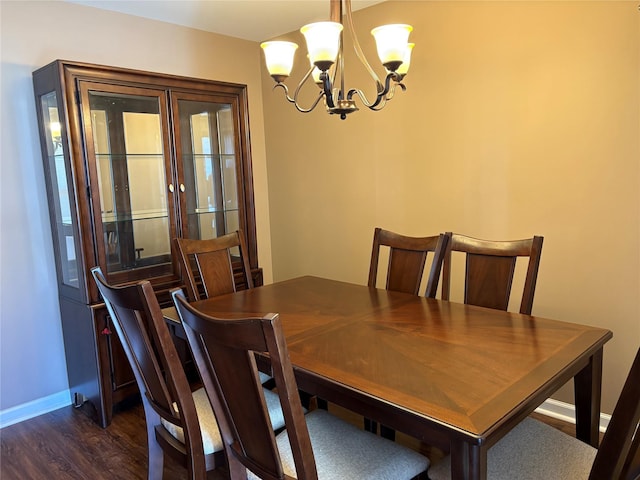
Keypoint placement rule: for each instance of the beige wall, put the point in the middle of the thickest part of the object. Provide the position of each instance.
(80, 33)
(33, 33)
(519, 118)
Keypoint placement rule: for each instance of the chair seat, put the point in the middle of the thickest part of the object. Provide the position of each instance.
(211, 439)
(343, 451)
(531, 451)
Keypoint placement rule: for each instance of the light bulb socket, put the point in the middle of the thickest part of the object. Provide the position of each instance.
(279, 78)
(323, 65)
(393, 65)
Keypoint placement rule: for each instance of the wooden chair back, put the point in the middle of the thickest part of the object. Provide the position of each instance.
(224, 351)
(489, 270)
(407, 259)
(141, 328)
(208, 265)
(619, 453)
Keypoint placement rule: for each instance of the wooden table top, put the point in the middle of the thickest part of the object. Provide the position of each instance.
(419, 365)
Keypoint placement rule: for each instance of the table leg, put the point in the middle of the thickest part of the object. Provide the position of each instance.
(588, 393)
(468, 462)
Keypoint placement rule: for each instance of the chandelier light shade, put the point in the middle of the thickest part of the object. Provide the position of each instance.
(279, 57)
(392, 43)
(323, 43)
(406, 61)
(326, 62)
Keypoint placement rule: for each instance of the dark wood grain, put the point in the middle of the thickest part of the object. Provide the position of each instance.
(449, 374)
(489, 270)
(97, 370)
(165, 390)
(66, 444)
(209, 264)
(407, 259)
(468, 354)
(404, 272)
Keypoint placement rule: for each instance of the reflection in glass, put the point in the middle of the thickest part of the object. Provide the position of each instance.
(209, 161)
(128, 143)
(62, 205)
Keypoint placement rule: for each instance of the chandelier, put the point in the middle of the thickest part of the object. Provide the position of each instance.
(325, 47)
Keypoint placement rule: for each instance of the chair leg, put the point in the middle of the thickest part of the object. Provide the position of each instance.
(269, 384)
(370, 425)
(422, 476)
(156, 456)
(388, 433)
(237, 471)
(305, 399)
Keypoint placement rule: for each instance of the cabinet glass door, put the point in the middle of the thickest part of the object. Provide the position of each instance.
(208, 165)
(64, 229)
(128, 153)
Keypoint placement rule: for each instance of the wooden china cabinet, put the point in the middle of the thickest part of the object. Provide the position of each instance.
(133, 159)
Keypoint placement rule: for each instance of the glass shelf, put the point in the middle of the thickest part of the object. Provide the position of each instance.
(212, 210)
(66, 260)
(108, 217)
(128, 156)
(148, 158)
(209, 163)
(131, 170)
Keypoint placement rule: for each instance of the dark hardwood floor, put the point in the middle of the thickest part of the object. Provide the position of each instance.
(67, 444)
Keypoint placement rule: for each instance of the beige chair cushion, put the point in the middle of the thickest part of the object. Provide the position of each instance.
(532, 451)
(211, 438)
(343, 451)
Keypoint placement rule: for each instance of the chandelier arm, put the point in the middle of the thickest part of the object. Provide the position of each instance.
(391, 93)
(363, 98)
(286, 91)
(294, 100)
(358, 49)
(327, 89)
(302, 82)
(380, 106)
(342, 89)
(313, 105)
(381, 99)
(382, 94)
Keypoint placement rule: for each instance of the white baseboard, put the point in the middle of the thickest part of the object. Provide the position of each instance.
(567, 412)
(34, 408)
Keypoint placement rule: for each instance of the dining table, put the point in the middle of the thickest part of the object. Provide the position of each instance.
(454, 376)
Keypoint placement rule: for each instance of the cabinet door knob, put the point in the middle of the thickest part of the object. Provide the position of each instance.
(171, 187)
(182, 189)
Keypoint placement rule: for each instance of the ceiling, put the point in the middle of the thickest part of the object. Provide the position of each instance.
(248, 19)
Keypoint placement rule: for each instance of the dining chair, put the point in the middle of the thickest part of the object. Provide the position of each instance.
(405, 269)
(179, 422)
(312, 446)
(407, 259)
(534, 450)
(208, 268)
(208, 265)
(489, 270)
